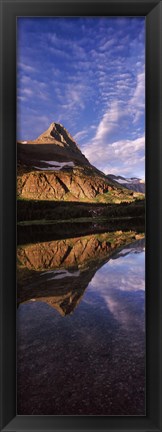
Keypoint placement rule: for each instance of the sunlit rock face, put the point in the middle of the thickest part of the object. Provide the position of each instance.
(61, 185)
(52, 167)
(58, 272)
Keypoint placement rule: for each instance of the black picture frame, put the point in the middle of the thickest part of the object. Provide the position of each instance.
(152, 10)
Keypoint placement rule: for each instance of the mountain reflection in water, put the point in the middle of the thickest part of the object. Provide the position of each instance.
(85, 354)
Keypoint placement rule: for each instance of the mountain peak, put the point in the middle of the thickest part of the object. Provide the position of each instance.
(57, 134)
(54, 145)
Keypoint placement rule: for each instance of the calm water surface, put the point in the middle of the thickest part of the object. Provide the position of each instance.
(84, 354)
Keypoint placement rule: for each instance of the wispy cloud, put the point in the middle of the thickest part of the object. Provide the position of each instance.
(137, 102)
(109, 43)
(81, 134)
(108, 122)
(26, 68)
(29, 87)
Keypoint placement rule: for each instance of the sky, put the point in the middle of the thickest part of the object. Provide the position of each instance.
(87, 73)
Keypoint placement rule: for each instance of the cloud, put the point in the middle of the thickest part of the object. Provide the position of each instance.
(26, 67)
(27, 92)
(29, 87)
(81, 134)
(108, 122)
(73, 96)
(116, 146)
(107, 44)
(59, 52)
(66, 47)
(137, 102)
(122, 157)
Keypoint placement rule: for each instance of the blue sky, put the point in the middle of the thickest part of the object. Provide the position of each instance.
(87, 73)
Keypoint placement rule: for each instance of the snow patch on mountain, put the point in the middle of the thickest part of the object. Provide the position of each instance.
(53, 165)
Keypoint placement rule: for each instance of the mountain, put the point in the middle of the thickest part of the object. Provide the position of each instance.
(52, 167)
(54, 148)
(132, 183)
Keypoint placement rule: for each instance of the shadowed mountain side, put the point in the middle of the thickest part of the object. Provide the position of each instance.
(63, 269)
(39, 155)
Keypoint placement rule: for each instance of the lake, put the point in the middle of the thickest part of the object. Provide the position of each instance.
(81, 326)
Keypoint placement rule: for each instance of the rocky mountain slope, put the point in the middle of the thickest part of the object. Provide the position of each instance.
(132, 183)
(52, 167)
